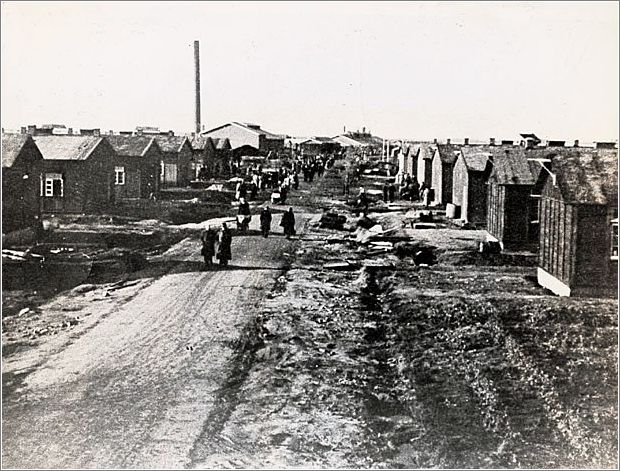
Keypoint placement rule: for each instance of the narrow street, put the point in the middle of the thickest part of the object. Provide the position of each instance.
(137, 389)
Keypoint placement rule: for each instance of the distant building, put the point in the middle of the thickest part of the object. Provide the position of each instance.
(77, 173)
(220, 164)
(136, 166)
(578, 252)
(175, 166)
(469, 189)
(240, 134)
(21, 179)
(203, 150)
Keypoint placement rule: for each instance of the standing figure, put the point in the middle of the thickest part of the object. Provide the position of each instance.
(265, 221)
(208, 238)
(295, 181)
(288, 223)
(244, 216)
(223, 246)
(391, 192)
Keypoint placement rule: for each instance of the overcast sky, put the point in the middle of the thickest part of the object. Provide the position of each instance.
(402, 70)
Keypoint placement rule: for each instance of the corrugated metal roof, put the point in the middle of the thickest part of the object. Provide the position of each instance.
(130, 146)
(67, 147)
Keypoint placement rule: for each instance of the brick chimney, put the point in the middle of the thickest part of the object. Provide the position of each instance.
(466, 141)
(492, 141)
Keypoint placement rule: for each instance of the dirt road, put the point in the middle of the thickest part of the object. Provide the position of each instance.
(137, 388)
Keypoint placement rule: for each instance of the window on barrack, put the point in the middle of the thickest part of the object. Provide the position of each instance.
(119, 175)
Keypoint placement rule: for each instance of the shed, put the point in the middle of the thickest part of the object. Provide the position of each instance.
(469, 189)
(21, 173)
(512, 212)
(175, 166)
(579, 222)
(136, 166)
(77, 174)
(444, 159)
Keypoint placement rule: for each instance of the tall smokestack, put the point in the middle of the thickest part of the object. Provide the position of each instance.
(197, 67)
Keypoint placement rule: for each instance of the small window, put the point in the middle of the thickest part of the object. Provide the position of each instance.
(614, 239)
(535, 209)
(119, 175)
(52, 185)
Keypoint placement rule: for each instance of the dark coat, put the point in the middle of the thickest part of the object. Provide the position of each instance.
(265, 218)
(224, 243)
(288, 223)
(208, 243)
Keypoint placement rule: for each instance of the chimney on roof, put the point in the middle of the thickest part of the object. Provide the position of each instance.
(466, 141)
(171, 133)
(197, 71)
(576, 144)
(364, 130)
(492, 141)
(435, 141)
(23, 130)
(448, 141)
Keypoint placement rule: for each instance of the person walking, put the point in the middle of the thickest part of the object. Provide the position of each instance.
(288, 223)
(265, 221)
(208, 239)
(223, 246)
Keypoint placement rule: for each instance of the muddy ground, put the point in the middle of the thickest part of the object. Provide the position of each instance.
(382, 363)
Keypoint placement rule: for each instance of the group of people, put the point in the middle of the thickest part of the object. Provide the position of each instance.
(287, 222)
(216, 244)
(411, 190)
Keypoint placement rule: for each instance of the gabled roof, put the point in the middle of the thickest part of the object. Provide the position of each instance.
(425, 150)
(511, 167)
(12, 145)
(530, 136)
(222, 143)
(67, 147)
(199, 142)
(130, 146)
(253, 128)
(586, 176)
(476, 157)
(348, 141)
(448, 153)
(171, 143)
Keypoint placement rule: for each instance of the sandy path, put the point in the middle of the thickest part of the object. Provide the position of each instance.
(135, 390)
